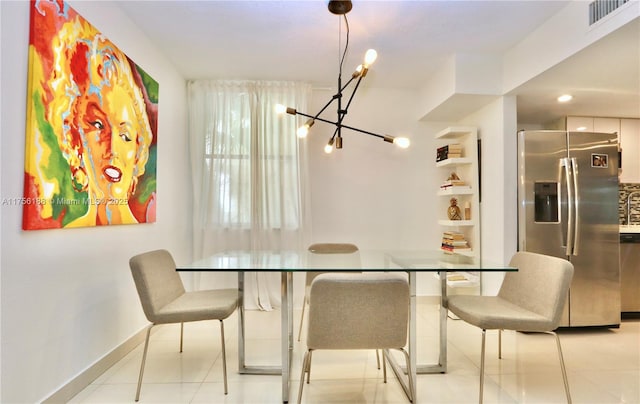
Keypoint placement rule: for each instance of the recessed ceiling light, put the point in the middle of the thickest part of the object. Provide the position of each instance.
(565, 98)
(581, 128)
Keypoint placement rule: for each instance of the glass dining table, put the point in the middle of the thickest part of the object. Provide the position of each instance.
(290, 262)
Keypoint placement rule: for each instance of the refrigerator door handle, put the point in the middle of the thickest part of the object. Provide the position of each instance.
(564, 162)
(576, 206)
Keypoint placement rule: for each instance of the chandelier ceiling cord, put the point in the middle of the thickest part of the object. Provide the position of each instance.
(342, 8)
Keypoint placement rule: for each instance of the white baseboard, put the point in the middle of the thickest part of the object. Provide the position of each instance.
(80, 382)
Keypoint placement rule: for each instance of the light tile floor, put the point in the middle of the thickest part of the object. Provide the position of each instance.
(603, 366)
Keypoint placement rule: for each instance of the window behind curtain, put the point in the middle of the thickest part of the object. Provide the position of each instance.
(248, 175)
(250, 172)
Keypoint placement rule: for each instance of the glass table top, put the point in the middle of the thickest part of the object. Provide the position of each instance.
(363, 260)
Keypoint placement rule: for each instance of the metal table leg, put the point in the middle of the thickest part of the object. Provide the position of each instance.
(286, 338)
(242, 366)
(441, 366)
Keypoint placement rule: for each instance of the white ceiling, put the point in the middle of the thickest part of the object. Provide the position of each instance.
(299, 40)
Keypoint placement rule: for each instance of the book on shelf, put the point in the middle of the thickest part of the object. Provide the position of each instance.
(456, 277)
(451, 249)
(453, 235)
(453, 183)
(448, 151)
(455, 243)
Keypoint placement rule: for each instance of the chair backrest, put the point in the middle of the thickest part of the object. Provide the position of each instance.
(157, 281)
(541, 284)
(333, 248)
(358, 311)
(331, 256)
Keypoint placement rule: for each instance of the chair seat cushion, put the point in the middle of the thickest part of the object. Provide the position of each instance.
(493, 313)
(199, 305)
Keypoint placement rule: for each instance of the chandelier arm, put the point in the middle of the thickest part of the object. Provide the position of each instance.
(345, 86)
(340, 125)
(384, 137)
(335, 97)
(316, 118)
(335, 132)
(353, 93)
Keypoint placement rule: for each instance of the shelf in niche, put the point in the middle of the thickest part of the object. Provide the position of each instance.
(455, 222)
(454, 161)
(465, 253)
(470, 280)
(453, 190)
(454, 132)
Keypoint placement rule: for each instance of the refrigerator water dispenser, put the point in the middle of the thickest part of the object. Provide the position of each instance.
(546, 202)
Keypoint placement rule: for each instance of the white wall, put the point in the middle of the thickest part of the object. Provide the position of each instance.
(67, 295)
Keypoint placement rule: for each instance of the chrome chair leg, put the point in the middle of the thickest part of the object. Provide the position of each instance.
(410, 372)
(305, 363)
(181, 334)
(378, 358)
(484, 340)
(224, 357)
(309, 366)
(564, 370)
(144, 359)
(384, 363)
(412, 389)
(500, 344)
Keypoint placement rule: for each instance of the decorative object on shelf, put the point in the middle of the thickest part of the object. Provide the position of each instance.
(453, 181)
(342, 8)
(453, 212)
(467, 210)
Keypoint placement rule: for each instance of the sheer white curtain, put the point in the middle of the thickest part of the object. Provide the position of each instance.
(248, 172)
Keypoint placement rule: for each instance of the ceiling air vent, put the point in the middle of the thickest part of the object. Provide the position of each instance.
(601, 8)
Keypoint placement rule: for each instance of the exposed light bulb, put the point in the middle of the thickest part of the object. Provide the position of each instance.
(328, 148)
(370, 57)
(358, 71)
(280, 109)
(303, 131)
(402, 142)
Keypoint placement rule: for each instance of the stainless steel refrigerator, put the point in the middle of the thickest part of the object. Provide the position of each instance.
(568, 208)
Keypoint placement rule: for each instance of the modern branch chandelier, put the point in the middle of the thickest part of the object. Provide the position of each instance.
(342, 8)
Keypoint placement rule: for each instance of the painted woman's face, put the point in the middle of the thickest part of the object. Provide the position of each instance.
(110, 142)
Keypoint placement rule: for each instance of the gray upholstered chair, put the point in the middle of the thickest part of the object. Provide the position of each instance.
(530, 300)
(357, 311)
(326, 256)
(165, 301)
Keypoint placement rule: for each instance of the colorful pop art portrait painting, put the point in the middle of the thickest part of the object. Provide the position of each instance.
(90, 155)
